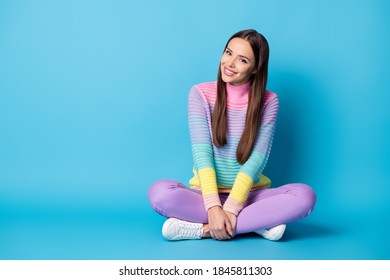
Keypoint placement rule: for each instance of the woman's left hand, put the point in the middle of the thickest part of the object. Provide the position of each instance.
(232, 219)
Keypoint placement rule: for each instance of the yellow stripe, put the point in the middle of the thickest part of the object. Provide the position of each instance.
(241, 188)
(208, 181)
(264, 182)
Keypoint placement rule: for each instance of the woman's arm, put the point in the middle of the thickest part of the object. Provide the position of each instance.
(256, 162)
(201, 142)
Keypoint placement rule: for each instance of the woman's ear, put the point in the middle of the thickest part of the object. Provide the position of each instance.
(254, 70)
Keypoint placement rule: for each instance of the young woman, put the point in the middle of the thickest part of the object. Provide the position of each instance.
(232, 123)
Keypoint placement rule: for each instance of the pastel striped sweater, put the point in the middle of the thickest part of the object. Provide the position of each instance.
(216, 168)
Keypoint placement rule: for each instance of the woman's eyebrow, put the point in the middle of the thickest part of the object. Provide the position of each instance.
(242, 56)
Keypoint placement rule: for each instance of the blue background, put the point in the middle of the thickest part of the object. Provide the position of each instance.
(93, 109)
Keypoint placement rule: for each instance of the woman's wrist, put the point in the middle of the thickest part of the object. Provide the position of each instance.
(215, 208)
(210, 203)
(232, 206)
(230, 213)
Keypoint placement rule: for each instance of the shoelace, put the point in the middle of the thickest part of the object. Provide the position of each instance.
(189, 230)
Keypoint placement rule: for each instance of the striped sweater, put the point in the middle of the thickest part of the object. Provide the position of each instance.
(216, 168)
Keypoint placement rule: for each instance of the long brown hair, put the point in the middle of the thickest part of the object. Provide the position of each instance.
(258, 83)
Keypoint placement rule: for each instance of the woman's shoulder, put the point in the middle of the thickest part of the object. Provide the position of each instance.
(207, 90)
(206, 86)
(270, 96)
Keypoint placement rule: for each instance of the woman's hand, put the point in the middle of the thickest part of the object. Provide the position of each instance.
(233, 221)
(220, 224)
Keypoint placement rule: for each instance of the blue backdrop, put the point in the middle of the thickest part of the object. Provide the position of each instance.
(93, 109)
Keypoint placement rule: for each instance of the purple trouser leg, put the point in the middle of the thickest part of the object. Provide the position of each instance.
(263, 208)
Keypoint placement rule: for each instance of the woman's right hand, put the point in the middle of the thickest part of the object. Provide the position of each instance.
(219, 224)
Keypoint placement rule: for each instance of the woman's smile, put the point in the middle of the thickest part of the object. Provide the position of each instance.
(228, 72)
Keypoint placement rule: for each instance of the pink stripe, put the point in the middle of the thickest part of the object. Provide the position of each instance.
(209, 91)
(211, 200)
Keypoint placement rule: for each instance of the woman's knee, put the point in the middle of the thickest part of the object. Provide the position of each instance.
(158, 192)
(307, 196)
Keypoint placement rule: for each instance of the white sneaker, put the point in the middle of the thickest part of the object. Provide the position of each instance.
(274, 233)
(175, 229)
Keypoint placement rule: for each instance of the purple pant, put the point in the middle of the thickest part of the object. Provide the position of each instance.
(263, 208)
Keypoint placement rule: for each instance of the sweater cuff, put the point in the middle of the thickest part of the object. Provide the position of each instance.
(211, 200)
(232, 206)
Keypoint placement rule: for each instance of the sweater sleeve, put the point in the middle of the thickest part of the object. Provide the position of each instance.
(257, 160)
(202, 149)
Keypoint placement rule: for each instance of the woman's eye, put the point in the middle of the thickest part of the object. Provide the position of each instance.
(228, 52)
(244, 61)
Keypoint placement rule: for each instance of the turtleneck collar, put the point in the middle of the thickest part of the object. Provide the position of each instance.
(237, 95)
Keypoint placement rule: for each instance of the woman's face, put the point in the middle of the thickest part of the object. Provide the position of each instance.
(237, 62)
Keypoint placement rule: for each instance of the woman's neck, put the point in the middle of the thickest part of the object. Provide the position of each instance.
(237, 95)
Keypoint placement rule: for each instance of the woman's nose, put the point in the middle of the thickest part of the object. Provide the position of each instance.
(231, 63)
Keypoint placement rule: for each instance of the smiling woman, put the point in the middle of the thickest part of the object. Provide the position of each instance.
(232, 123)
(237, 62)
